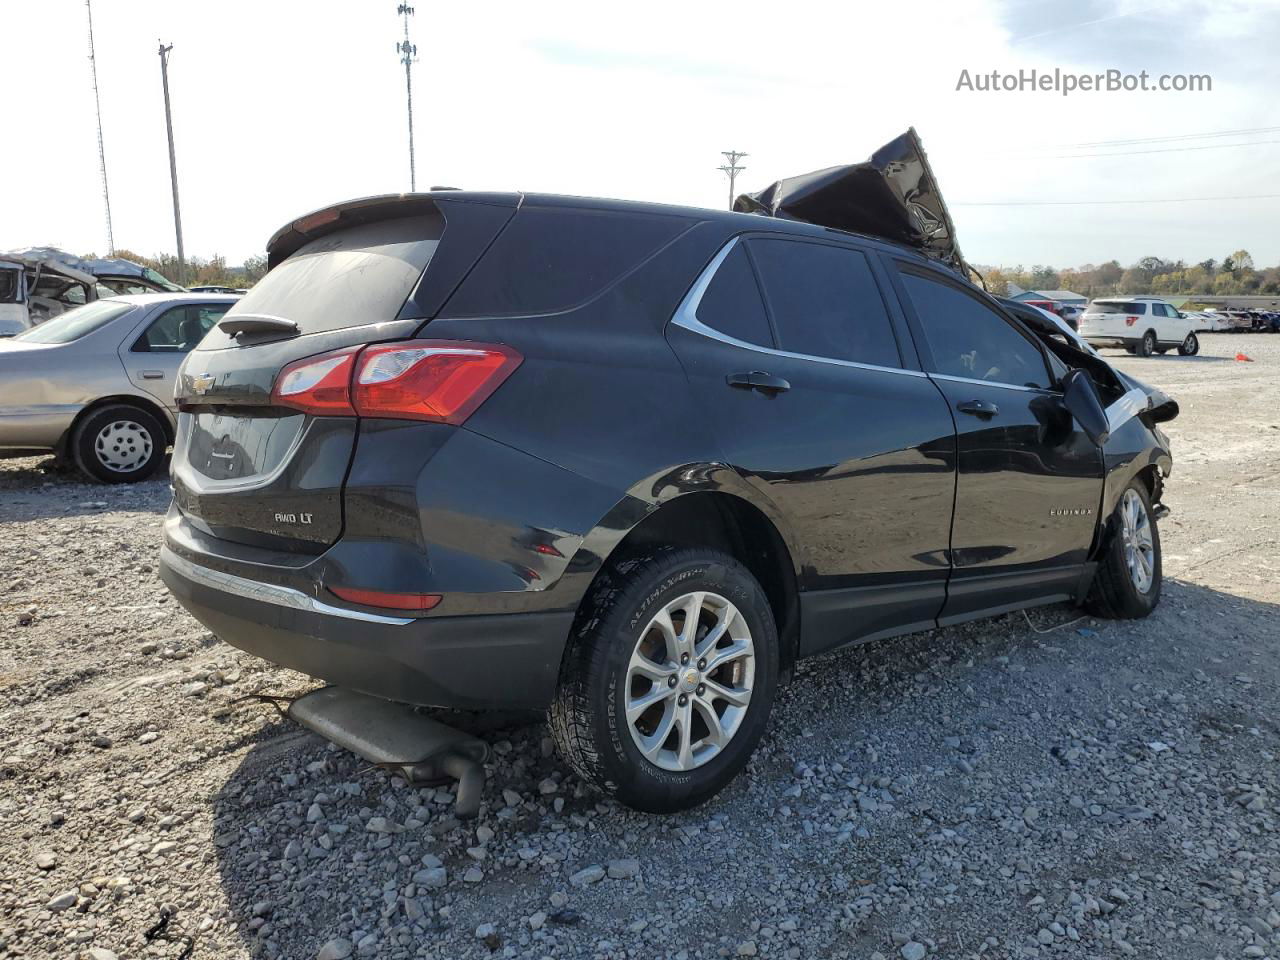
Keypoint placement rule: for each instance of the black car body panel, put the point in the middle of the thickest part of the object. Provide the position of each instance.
(881, 507)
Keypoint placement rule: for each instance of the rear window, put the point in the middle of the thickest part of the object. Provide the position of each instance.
(1117, 306)
(348, 278)
(77, 322)
(549, 260)
(732, 303)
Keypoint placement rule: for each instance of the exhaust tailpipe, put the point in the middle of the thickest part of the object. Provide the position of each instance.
(396, 736)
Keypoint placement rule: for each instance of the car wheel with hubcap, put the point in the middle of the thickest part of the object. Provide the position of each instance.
(1148, 344)
(1190, 346)
(667, 684)
(119, 443)
(1129, 576)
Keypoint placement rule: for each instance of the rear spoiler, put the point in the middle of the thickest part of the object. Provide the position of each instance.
(339, 216)
(893, 195)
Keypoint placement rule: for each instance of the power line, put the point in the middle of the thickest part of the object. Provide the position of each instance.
(731, 170)
(1075, 203)
(102, 156)
(1167, 139)
(1136, 153)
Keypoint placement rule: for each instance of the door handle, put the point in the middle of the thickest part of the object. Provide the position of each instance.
(978, 408)
(758, 380)
(151, 374)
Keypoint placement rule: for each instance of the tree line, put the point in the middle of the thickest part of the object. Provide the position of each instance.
(1235, 274)
(200, 272)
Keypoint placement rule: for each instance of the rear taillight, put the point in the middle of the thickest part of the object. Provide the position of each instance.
(318, 385)
(1130, 321)
(440, 380)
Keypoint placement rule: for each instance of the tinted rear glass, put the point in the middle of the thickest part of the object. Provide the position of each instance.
(732, 303)
(550, 259)
(9, 285)
(349, 278)
(1117, 306)
(77, 322)
(825, 302)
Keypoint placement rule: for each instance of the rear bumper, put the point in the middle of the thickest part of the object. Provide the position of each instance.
(505, 661)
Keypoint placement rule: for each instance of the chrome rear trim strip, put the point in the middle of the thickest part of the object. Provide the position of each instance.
(267, 592)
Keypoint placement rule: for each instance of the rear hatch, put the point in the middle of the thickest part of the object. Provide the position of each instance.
(251, 470)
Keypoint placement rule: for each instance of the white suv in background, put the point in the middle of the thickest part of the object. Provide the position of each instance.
(1142, 325)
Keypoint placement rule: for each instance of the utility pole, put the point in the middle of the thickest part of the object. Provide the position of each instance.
(173, 161)
(732, 170)
(102, 156)
(408, 56)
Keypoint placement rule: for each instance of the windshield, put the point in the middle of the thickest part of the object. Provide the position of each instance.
(76, 323)
(9, 285)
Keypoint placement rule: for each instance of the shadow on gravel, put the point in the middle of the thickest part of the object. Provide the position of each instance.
(301, 861)
(35, 489)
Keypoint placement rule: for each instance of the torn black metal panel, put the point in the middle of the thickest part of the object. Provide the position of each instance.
(893, 195)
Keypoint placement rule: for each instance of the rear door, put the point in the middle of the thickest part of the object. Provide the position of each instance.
(1030, 482)
(153, 353)
(807, 395)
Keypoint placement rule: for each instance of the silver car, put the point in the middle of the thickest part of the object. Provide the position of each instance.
(95, 384)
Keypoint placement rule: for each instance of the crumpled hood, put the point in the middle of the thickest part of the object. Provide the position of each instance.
(893, 195)
(1160, 405)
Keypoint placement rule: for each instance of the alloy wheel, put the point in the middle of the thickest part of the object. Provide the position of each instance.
(1139, 550)
(123, 446)
(689, 681)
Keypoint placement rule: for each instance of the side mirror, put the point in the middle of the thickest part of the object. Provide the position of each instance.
(1081, 399)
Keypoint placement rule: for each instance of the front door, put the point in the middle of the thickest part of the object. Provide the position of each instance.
(1030, 482)
(809, 399)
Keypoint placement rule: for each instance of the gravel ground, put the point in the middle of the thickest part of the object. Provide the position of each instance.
(1017, 787)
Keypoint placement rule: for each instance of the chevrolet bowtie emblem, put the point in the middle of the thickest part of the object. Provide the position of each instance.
(202, 383)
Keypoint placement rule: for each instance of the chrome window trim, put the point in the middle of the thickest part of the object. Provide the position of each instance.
(686, 316)
(994, 383)
(267, 592)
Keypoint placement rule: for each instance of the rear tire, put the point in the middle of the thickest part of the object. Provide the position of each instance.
(1190, 346)
(119, 443)
(1148, 344)
(623, 685)
(1126, 585)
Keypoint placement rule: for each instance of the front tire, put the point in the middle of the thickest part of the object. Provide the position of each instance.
(1190, 346)
(1129, 576)
(668, 681)
(119, 443)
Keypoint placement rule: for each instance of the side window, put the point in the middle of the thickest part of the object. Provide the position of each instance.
(732, 304)
(969, 339)
(180, 329)
(825, 302)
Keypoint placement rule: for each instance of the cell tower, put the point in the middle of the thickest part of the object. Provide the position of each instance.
(102, 155)
(408, 56)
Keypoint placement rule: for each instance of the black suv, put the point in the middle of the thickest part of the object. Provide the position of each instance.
(629, 462)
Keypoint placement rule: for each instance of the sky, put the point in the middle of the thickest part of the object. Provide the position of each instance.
(285, 106)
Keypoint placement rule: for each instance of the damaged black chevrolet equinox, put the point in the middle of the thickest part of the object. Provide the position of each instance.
(630, 462)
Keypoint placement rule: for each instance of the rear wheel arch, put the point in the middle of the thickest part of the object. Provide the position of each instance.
(729, 523)
(143, 403)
